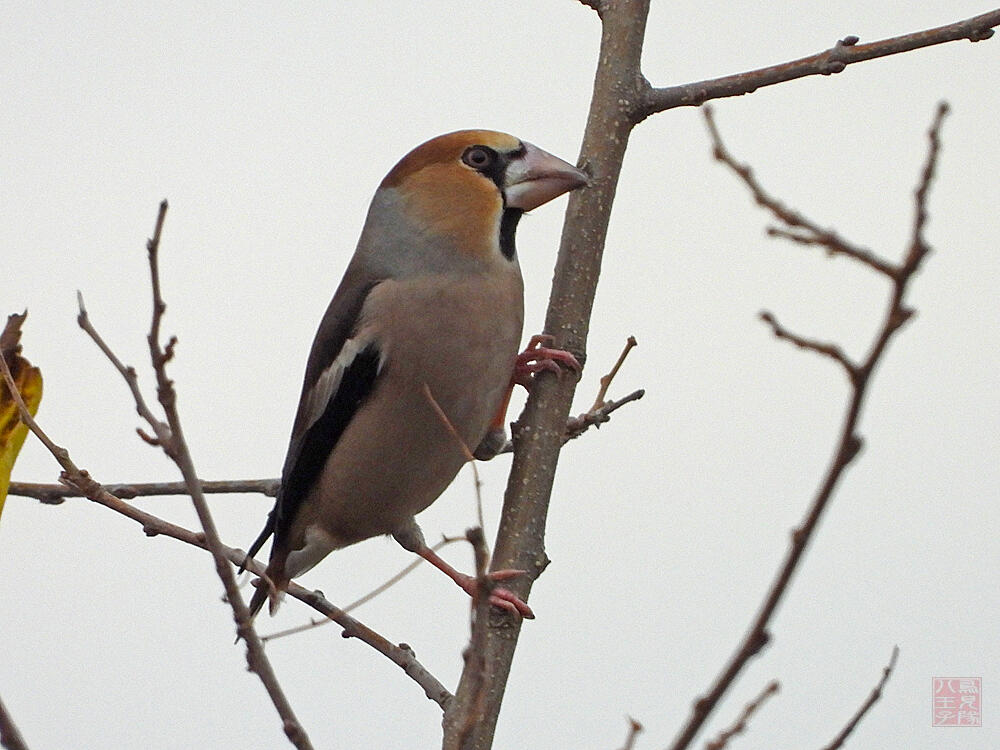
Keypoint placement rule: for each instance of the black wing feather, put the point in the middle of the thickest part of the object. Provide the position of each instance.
(310, 446)
(356, 385)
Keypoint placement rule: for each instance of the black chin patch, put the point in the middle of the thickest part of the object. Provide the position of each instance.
(508, 226)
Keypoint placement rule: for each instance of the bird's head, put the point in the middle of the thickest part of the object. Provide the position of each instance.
(464, 192)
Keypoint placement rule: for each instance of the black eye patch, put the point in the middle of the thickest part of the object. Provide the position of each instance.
(487, 161)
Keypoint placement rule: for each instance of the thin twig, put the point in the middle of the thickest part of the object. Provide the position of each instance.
(812, 234)
(876, 694)
(918, 247)
(740, 725)
(630, 343)
(22, 409)
(845, 52)
(576, 426)
(475, 653)
(389, 583)
(127, 372)
(466, 452)
(634, 730)
(152, 525)
(170, 437)
(56, 494)
(832, 351)
(848, 445)
(10, 737)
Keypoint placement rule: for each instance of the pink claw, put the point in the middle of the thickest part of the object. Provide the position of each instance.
(537, 357)
(500, 597)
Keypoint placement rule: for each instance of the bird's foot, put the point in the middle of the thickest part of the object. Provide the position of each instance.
(539, 357)
(500, 597)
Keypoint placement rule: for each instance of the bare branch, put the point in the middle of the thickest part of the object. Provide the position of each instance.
(389, 583)
(876, 694)
(739, 726)
(630, 344)
(811, 234)
(463, 448)
(601, 411)
(475, 654)
(622, 97)
(845, 52)
(918, 247)
(578, 425)
(634, 729)
(82, 482)
(520, 540)
(127, 372)
(848, 446)
(832, 351)
(10, 737)
(55, 494)
(170, 437)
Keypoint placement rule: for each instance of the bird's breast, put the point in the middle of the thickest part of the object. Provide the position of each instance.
(447, 349)
(456, 336)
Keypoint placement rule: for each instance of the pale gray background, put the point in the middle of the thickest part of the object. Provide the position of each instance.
(268, 127)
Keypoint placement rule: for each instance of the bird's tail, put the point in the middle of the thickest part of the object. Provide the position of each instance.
(270, 588)
(258, 598)
(259, 541)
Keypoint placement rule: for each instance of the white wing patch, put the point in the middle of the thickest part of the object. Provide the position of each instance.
(328, 382)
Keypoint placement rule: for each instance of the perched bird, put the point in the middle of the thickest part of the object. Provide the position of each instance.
(421, 339)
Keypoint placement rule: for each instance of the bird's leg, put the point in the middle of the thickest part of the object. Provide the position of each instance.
(499, 597)
(538, 357)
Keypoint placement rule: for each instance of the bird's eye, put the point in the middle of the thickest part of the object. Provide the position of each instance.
(479, 157)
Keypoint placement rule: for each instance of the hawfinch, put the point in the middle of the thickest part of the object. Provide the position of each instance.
(415, 355)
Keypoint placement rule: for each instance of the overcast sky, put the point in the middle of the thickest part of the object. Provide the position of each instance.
(268, 127)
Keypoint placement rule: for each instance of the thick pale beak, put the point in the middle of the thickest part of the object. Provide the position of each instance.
(536, 177)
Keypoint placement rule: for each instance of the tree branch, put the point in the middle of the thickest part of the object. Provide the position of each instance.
(634, 730)
(845, 52)
(56, 494)
(848, 445)
(381, 588)
(476, 653)
(621, 99)
(169, 436)
(10, 737)
(740, 725)
(811, 233)
(876, 694)
(832, 351)
(538, 433)
(83, 483)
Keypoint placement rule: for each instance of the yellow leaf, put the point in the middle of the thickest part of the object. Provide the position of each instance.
(29, 382)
